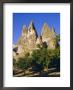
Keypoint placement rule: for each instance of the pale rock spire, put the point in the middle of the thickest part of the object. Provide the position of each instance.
(53, 32)
(45, 31)
(24, 30)
(32, 35)
(31, 29)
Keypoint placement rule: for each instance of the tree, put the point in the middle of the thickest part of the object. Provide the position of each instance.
(25, 62)
(58, 37)
(46, 57)
(14, 62)
(55, 58)
(41, 57)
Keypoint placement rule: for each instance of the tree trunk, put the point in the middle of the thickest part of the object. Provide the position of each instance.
(45, 69)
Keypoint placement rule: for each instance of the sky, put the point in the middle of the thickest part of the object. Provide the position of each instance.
(20, 19)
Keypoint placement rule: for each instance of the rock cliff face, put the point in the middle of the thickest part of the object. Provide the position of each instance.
(48, 36)
(32, 36)
(29, 39)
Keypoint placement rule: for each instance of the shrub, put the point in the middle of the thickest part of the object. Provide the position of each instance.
(24, 63)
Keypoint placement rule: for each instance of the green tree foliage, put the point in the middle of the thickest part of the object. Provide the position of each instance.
(58, 37)
(14, 62)
(45, 57)
(41, 57)
(55, 58)
(25, 62)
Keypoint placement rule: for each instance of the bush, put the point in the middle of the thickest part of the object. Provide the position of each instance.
(46, 57)
(14, 62)
(40, 58)
(55, 58)
(24, 63)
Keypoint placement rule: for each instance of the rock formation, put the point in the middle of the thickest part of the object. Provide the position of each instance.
(32, 36)
(29, 40)
(49, 36)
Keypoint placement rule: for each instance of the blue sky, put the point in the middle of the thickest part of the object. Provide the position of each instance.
(20, 19)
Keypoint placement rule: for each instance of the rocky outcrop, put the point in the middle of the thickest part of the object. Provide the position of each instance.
(32, 36)
(48, 36)
(29, 39)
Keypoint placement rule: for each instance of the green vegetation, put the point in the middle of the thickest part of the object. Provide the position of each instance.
(25, 62)
(46, 57)
(58, 37)
(42, 59)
